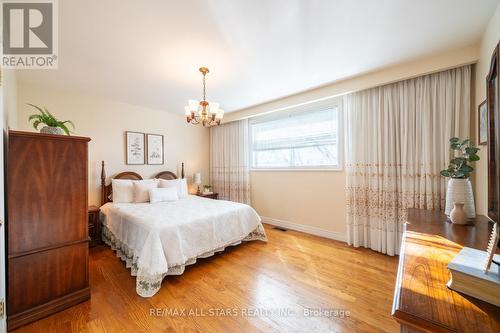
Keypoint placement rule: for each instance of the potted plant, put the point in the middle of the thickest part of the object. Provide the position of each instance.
(207, 189)
(459, 170)
(53, 125)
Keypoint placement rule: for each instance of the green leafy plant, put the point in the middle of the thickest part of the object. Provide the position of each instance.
(464, 152)
(45, 117)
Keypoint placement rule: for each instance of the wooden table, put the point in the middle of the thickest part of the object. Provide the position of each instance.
(94, 226)
(422, 302)
(212, 195)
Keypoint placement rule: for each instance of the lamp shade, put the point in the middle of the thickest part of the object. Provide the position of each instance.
(197, 178)
(193, 105)
(214, 107)
(220, 114)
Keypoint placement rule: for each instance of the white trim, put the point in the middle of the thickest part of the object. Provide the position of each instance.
(305, 228)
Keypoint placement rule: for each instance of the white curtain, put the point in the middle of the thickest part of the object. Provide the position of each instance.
(229, 161)
(397, 141)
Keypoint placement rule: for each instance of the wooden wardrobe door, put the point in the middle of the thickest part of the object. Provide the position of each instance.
(47, 192)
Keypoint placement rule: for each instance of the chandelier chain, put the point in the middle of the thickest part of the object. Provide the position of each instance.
(204, 88)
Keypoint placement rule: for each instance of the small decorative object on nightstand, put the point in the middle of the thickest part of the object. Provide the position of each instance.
(197, 181)
(94, 226)
(207, 189)
(212, 195)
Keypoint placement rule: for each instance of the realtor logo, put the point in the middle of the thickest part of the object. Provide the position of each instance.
(29, 34)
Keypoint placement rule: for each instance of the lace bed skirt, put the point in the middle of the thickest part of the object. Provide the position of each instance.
(148, 284)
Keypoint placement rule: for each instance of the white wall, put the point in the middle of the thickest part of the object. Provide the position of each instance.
(9, 84)
(489, 41)
(105, 122)
(314, 201)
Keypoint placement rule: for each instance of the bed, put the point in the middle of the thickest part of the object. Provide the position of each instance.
(159, 239)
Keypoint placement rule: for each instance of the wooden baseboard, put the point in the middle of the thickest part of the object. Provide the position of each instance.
(44, 310)
(305, 228)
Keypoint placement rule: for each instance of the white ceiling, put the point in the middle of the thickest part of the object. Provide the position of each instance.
(148, 52)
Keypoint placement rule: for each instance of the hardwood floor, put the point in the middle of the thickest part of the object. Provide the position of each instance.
(290, 273)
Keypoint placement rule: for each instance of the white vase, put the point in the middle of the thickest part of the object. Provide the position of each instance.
(460, 190)
(457, 214)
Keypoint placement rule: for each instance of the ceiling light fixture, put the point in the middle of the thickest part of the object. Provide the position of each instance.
(207, 113)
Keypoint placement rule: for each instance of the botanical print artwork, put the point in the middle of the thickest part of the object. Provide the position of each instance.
(135, 148)
(483, 123)
(155, 148)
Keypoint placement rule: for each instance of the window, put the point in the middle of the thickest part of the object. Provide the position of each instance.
(298, 140)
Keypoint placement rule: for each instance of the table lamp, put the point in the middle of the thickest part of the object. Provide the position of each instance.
(197, 181)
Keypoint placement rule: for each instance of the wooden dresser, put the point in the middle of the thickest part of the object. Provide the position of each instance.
(422, 302)
(47, 230)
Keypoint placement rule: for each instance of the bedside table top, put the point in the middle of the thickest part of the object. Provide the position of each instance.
(211, 195)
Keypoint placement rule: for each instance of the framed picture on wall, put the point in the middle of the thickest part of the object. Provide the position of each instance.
(155, 148)
(134, 147)
(482, 121)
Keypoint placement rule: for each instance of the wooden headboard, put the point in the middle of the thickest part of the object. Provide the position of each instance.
(107, 190)
(166, 175)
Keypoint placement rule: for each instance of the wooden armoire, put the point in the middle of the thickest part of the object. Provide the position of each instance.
(47, 232)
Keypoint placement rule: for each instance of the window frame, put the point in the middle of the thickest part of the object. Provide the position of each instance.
(314, 106)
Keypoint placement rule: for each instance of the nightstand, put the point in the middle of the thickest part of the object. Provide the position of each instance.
(94, 226)
(214, 196)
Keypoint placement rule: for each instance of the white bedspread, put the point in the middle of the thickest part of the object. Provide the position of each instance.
(162, 238)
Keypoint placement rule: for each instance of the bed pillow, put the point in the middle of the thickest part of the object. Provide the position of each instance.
(163, 194)
(179, 184)
(123, 190)
(141, 189)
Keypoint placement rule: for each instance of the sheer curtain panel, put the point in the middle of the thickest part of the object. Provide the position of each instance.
(229, 167)
(397, 141)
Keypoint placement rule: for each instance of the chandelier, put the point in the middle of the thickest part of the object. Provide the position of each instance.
(207, 113)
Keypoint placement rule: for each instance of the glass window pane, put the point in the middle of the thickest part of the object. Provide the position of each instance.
(306, 139)
(272, 158)
(315, 156)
